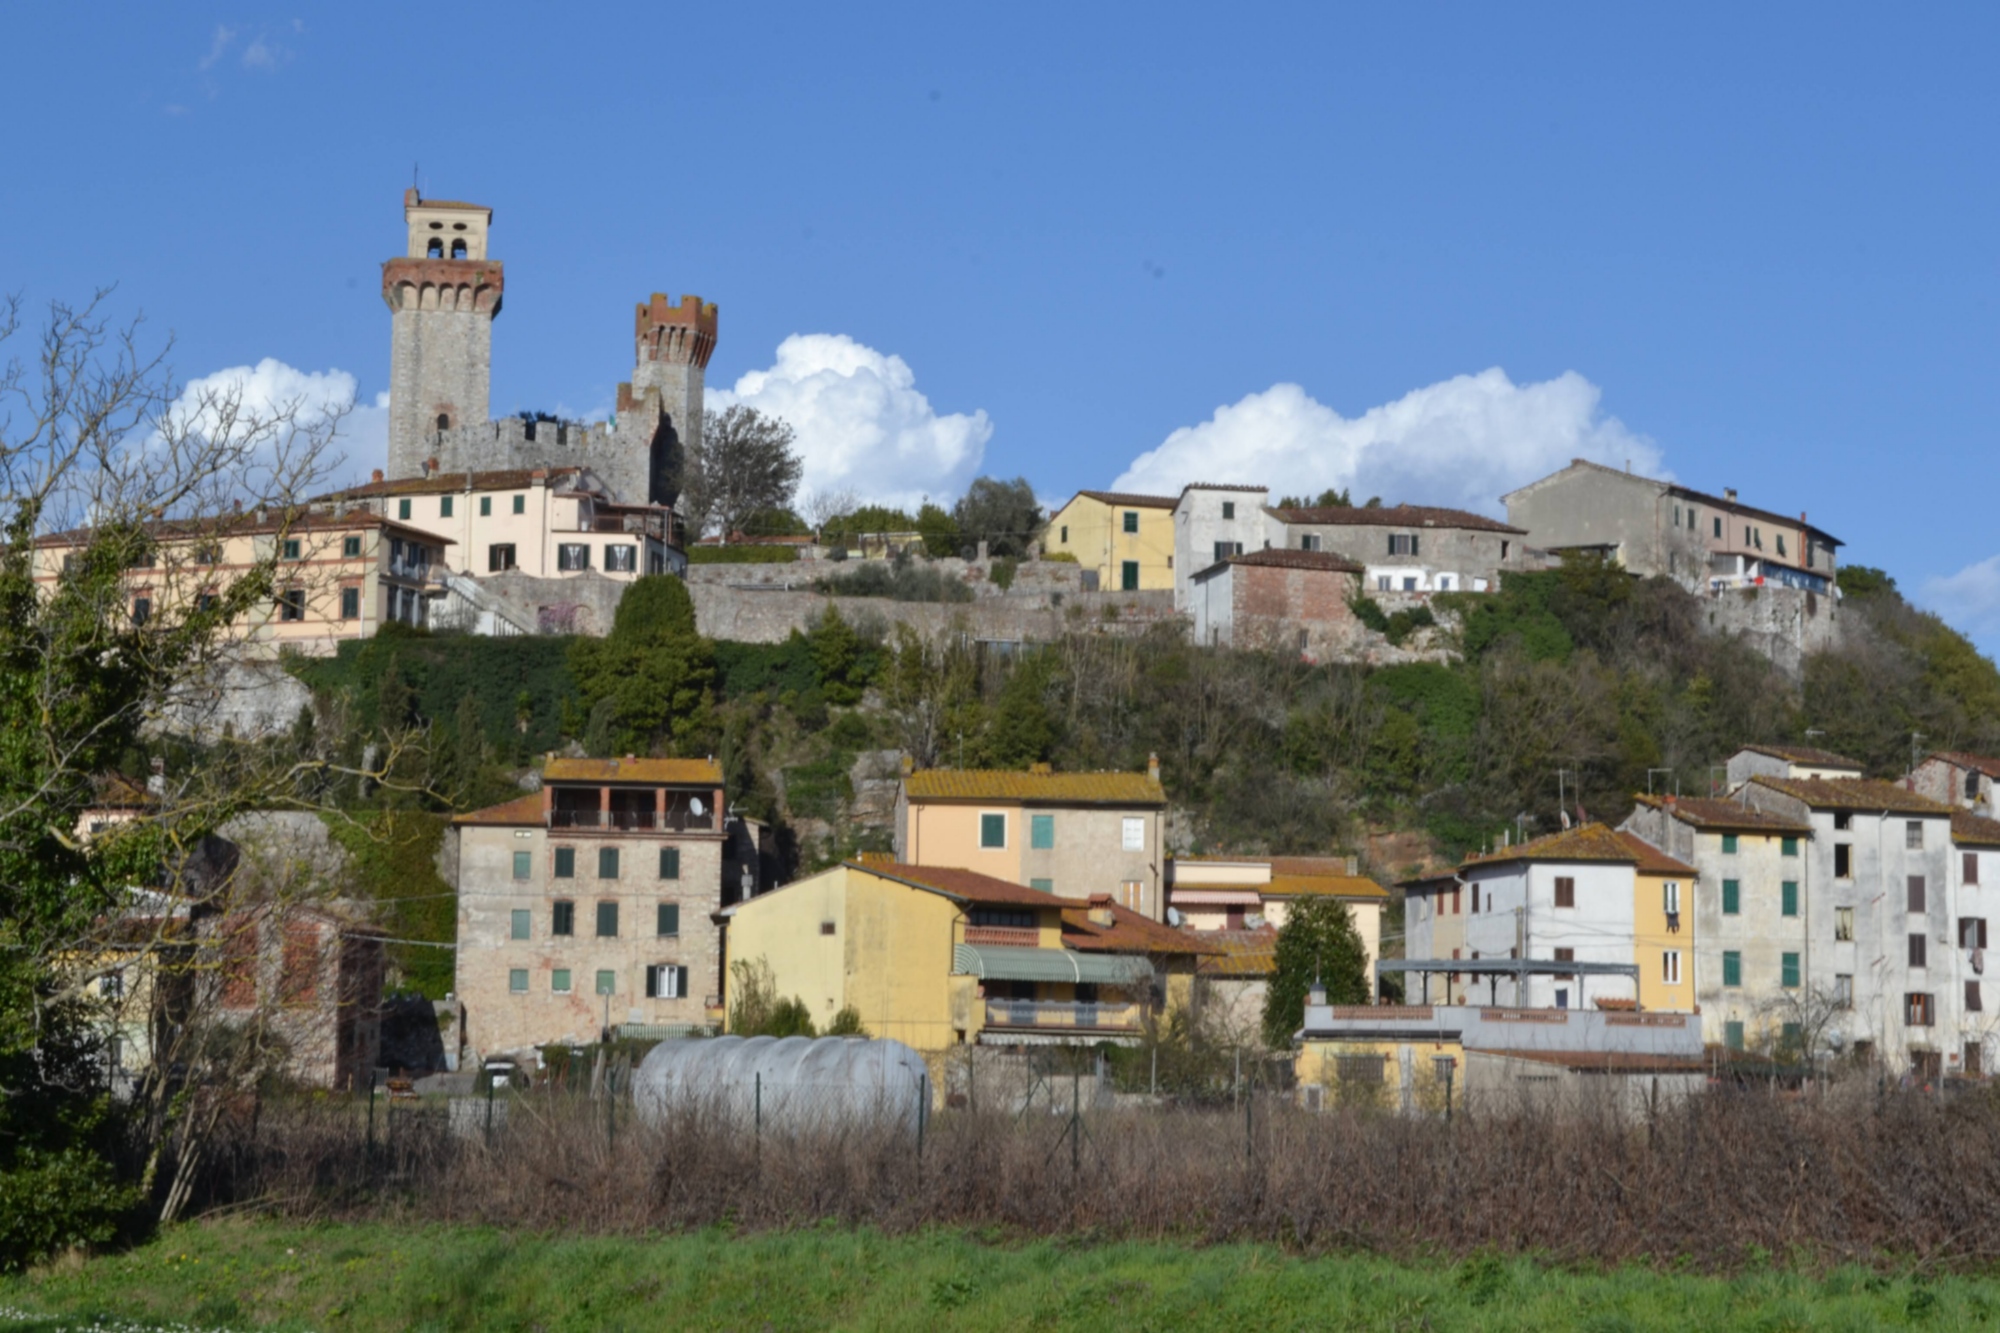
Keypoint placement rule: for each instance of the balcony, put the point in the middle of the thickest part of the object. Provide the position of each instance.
(1067, 1015)
(1023, 937)
(604, 819)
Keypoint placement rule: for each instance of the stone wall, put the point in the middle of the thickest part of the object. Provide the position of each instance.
(247, 698)
(1784, 624)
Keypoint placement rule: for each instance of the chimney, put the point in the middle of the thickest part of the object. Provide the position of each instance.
(909, 764)
(1041, 770)
(1153, 767)
(1729, 494)
(1100, 910)
(982, 552)
(378, 475)
(1353, 866)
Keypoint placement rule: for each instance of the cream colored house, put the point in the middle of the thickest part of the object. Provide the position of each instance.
(1126, 541)
(1213, 893)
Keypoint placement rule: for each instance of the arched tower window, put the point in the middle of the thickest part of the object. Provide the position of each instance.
(444, 421)
(436, 250)
(458, 248)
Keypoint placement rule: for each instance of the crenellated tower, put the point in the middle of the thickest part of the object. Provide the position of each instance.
(443, 295)
(659, 412)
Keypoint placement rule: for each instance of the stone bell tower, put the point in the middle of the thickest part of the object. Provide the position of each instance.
(443, 295)
(659, 412)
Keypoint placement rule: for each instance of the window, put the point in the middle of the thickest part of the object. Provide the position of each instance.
(517, 980)
(209, 554)
(1064, 539)
(499, 556)
(291, 551)
(458, 247)
(607, 863)
(573, 556)
(1971, 785)
(520, 923)
(1409, 583)
(1309, 542)
(1843, 820)
(1732, 968)
(1503, 552)
(520, 504)
(1041, 832)
(524, 864)
(350, 603)
(1565, 956)
(1732, 1032)
(1475, 900)
(1132, 520)
(1788, 971)
(1670, 967)
(444, 506)
(1454, 900)
(1670, 897)
(621, 559)
(1916, 893)
(1565, 891)
(142, 610)
(1843, 923)
(1913, 835)
(1788, 898)
(559, 981)
(486, 506)
(993, 830)
(1790, 846)
(402, 509)
(1971, 867)
(1729, 844)
(1974, 1002)
(292, 604)
(1229, 509)
(565, 863)
(1402, 543)
(670, 863)
(1843, 990)
(665, 981)
(1132, 895)
(1781, 544)
(563, 920)
(1128, 576)
(1042, 885)
(1382, 582)
(669, 920)
(1843, 861)
(607, 982)
(1972, 932)
(1917, 1009)
(1917, 943)
(607, 921)
(1732, 897)
(1132, 834)
(1223, 550)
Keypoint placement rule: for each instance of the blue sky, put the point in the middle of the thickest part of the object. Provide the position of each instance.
(1431, 251)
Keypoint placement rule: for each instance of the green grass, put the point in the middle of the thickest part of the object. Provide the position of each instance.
(264, 1275)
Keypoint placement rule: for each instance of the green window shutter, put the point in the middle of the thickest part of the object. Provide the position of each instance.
(607, 982)
(402, 509)
(607, 920)
(1042, 885)
(520, 504)
(565, 863)
(444, 506)
(1128, 576)
(670, 919)
(486, 506)
(524, 864)
(520, 923)
(1131, 520)
(607, 863)
(1791, 846)
(1732, 1036)
(559, 981)
(670, 863)
(993, 830)
(517, 980)
(652, 982)
(1729, 844)
(1789, 902)
(1732, 968)
(1042, 832)
(1789, 971)
(681, 982)
(1732, 897)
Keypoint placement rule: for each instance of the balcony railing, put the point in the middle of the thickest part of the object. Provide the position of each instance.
(1025, 937)
(1062, 1014)
(675, 821)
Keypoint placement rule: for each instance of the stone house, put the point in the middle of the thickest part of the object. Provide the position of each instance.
(308, 979)
(1958, 778)
(1074, 835)
(1279, 600)
(589, 906)
(1212, 523)
(1659, 528)
(1407, 548)
(1788, 761)
(1124, 543)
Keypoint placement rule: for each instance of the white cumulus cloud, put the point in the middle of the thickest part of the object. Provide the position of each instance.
(1462, 442)
(861, 421)
(271, 388)
(1969, 600)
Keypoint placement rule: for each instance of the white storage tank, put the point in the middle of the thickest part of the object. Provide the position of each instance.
(786, 1083)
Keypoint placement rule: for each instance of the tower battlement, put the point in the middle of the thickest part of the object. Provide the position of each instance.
(681, 334)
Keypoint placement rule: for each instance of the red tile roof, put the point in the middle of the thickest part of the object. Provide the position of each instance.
(1128, 932)
(452, 483)
(967, 885)
(1398, 516)
(705, 772)
(1130, 500)
(1970, 830)
(1653, 861)
(991, 784)
(1978, 762)
(1240, 953)
(1805, 754)
(1703, 813)
(1284, 557)
(519, 812)
(1863, 794)
(1592, 842)
(1322, 886)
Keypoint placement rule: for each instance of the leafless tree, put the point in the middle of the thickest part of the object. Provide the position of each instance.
(821, 507)
(745, 464)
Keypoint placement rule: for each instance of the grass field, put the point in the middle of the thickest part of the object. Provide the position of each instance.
(237, 1275)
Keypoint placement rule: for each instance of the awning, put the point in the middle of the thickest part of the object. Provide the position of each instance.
(1015, 962)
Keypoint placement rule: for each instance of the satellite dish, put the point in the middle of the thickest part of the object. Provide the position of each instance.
(694, 804)
(1173, 916)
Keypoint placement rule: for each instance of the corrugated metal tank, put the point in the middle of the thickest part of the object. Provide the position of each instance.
(791, 1083)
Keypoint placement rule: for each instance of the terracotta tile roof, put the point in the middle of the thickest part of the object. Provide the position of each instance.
(1322, 886)
(1592, 842)
(1627, 1061)
(1688, 493)
(1854, 794)
(1398, 516)
(705, 772)
(1970, 830)
(1283, 557)
(1219, 486)
(1131, 501)
(115, 791)
(1311, 865)
(522, 810)
(1805, 754)
(1240, 953)
(453, 483)
(1653, 861)
(1961, 759)
(1128, 932)
(967, 885)
(992, 784)
(246, 525)
(1703, 813)
(450, 203)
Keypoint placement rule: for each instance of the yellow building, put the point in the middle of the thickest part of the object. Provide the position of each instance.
(936, 956)
(1126, 540)
(1073, 835)
(1662, 927)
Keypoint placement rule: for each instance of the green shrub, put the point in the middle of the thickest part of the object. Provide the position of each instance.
(1002, 572)
(899, 581)
(52, 1201)
(846, 1023)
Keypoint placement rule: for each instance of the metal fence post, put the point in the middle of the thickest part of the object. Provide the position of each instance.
(371, 1115)
(1075, 1122)
(1154, 1088)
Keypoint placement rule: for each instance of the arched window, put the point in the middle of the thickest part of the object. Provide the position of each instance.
(444, 421)
(458, 248)
(436, 249)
